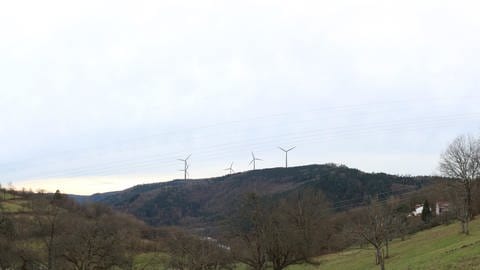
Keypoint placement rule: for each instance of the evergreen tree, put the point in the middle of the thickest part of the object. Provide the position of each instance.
(426, 212)
(57, 196)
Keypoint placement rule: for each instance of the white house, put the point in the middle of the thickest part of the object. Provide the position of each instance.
(418, 210)
(441, 207)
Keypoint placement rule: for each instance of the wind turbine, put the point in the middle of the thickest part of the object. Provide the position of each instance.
(185, 166)
(230, 169)
(286, 154)
(253, 160)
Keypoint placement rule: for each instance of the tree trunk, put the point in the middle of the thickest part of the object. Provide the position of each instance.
(50, 260)
(466, 212)
(382, 265)
(468, 190)
(387, 249)
(467, 221)
(51, 251)
(380, 259)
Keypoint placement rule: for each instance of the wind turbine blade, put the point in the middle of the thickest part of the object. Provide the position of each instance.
(291, 148)
(231, 165)
(282, 149)
(251, 162)
(181, 159)
(259, 159)
(188, 157)
(253, 155)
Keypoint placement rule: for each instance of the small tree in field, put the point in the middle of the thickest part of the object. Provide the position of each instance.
(249, 228)
(295, 227)
(372, 226)
(46, 215)
(461, 161)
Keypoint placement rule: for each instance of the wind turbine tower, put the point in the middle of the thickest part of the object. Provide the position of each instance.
(230, 169)
(286, 154)
(185, 167)
(253, 160)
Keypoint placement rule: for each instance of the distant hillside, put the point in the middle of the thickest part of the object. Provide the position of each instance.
(199, 202)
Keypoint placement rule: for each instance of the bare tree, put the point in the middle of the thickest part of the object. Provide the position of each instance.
(248, 229)
(305, 213)
(283, 232)
(461, 161)
(8, 254)
(283, 246)
(59, 234)
(96, 238)
(396, 220)
(47, 214)
(372, 226)
(11, 189)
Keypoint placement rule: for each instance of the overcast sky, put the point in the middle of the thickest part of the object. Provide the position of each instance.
(102, 95)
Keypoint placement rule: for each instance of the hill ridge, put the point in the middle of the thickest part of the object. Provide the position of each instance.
(200, 201)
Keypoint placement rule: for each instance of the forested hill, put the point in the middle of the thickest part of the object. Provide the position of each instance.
(198, 202)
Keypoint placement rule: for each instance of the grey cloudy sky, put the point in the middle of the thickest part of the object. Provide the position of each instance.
(102, 95)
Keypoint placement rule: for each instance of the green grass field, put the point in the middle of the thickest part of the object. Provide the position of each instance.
(443, 247)
(10, 207)
(150, 261)
(12, 204)
(6, 196)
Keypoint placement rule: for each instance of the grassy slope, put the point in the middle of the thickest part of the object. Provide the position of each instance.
(6, 196)
(442, 247)
(14, 206)
(150, 261)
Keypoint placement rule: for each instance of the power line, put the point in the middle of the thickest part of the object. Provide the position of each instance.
(146, 164)
(345, 108)
(337, 128)
(143, 165)
(340, 132)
